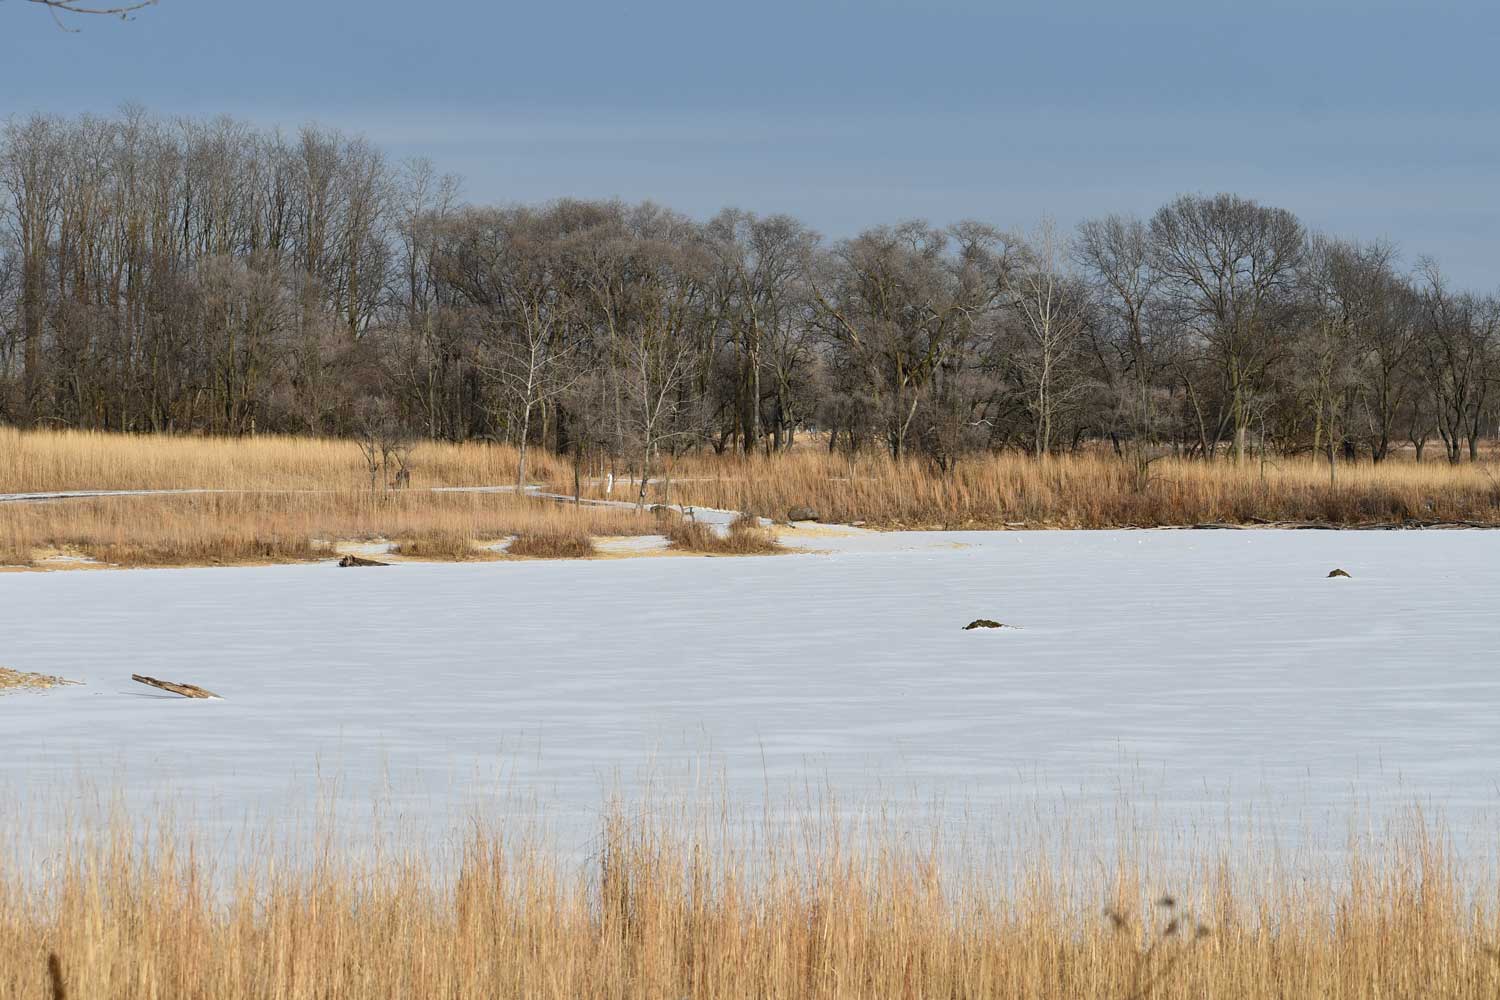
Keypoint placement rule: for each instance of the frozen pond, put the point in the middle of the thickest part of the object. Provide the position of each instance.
(1188, 672)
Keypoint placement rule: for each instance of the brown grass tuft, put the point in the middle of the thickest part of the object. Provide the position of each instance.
(551, 544)
(745, 537)
(439, 545)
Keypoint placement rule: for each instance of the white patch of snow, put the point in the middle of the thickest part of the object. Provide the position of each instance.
(89, 494)
(631, 544)
(1192, 670)
(67, 559)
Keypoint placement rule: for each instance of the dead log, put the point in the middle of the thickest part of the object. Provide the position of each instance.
(186, 690)
(352, 560)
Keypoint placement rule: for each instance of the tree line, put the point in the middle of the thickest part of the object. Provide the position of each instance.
(186, 276)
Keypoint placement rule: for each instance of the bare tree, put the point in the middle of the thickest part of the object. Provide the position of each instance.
(758, 296)
(188, 276)
(1116, 251)
(656, 357)
(1329, 357)
(506, 266)
(31, 171)
(1460, 331)
(1230, 264)
(1050, 304)
(899, 303)
(423, 203)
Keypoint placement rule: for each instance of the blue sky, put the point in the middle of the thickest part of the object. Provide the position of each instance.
(1370, 119)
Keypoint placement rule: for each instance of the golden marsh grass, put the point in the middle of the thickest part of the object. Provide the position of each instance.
(288, 499)
(50, 461)
(230, 528)
(666, 906)
(1086, 490)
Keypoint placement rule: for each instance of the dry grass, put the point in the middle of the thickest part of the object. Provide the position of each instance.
(229, 528)
(17, 680)
(14, 553)
(992, 491)
(554, 543)
(745, 537)
(667, 909)
(1087, 491)
(48, 461)
(438, 545)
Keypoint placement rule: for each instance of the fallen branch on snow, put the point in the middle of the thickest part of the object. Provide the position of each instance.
(186, 690)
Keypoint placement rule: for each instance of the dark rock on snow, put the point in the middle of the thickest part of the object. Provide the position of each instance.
(1338, 572)
(984, 623)
(802, 514)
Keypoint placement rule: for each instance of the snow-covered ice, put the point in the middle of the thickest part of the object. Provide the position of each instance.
(1201, 671)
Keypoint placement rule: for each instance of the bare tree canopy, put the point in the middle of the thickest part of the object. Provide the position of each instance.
(206, 276)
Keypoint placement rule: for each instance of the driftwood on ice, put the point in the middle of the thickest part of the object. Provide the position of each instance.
(186, 690)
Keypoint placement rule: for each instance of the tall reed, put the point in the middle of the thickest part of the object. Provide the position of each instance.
(669, 906)
(1084, 491)
(1087, 490)
(43, 461)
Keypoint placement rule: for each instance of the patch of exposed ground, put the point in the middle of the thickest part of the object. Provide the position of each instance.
(65, 557)
(16, 561)
(635, 547)
(815, 529)
(370, 548)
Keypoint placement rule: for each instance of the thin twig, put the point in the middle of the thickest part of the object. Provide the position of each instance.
(58, 7)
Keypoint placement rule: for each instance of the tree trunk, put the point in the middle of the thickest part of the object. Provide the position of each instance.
(521, 460)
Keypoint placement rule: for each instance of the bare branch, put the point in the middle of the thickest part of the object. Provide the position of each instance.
(58, 7)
